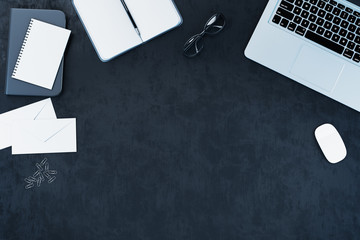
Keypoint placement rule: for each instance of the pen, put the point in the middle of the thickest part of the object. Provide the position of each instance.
(131, 18)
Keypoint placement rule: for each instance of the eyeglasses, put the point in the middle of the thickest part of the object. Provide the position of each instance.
(195, 44)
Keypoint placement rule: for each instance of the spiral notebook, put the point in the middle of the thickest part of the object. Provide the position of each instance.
(41, 54)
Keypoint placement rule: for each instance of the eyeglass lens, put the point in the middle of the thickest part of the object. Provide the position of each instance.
(194, 45)
(215, 24)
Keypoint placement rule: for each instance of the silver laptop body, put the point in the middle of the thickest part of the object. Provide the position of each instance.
(291, 42)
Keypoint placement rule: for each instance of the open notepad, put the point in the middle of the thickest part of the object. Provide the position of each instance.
(111, 30)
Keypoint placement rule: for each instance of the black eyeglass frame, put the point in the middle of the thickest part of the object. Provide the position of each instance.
(194, 40)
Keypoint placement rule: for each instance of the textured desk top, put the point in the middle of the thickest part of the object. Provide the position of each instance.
(217, 147)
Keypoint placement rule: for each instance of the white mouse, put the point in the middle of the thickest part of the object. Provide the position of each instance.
(330, 143)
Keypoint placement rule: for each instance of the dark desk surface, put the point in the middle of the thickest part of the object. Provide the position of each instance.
(217, 147)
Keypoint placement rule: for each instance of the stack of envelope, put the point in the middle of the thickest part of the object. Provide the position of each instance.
(35, 129)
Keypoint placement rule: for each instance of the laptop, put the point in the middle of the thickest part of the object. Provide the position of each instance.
(314, 42)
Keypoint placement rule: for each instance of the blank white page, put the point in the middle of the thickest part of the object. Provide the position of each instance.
(108, 26)
(40, 57)
(153, 17)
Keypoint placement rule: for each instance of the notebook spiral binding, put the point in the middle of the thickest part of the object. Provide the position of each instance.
(22, 47)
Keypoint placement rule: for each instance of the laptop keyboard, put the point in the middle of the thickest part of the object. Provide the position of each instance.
(325, 22)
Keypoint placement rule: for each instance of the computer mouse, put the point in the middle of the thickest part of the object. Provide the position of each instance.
(331, 143)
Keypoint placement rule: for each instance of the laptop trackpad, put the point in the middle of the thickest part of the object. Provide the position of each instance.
(318, 67)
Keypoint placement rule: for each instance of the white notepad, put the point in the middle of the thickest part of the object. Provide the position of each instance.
(153, 17)
(41, 54)
(111, 30)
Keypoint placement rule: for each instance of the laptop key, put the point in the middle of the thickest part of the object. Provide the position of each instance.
(357, 14)
(306, 6)
(312, 27)
(305, 23)
(348, 53)
(352, 28)
(358, 22)
(342, 7)
(298, 3)
(335, 29)
(329, 17)
(349, 10)
(321, 13)
(312, 18)
(320, 21)
(351, 18)
(314, 9)
(276, 19)
(357, 49)
(320, 30)
(336, 20)
(356, 57)
(297, 10)
(324, 42)
(284, 13)
(313, 1)
(343, 32)
(357, 40)
(284, 22)
(305, 14)
(344, 24)
(332, 2)
(292, 26)
(328, 7)
(336, 11)
(344, 15)
(328, 34)
(286, 5)
(321, 4)
(297, 20)
(358, 31)
(335, 38)
(350, 36)
(351, 45)
(300, 30)
(343, 41)
(327, 25)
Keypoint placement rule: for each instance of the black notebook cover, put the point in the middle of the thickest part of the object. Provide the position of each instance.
(19, 22)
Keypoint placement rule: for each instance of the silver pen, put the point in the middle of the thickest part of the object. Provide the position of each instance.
(131, 18)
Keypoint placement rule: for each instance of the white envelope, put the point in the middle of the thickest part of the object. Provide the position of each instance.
(40, 110)
(44, 136)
